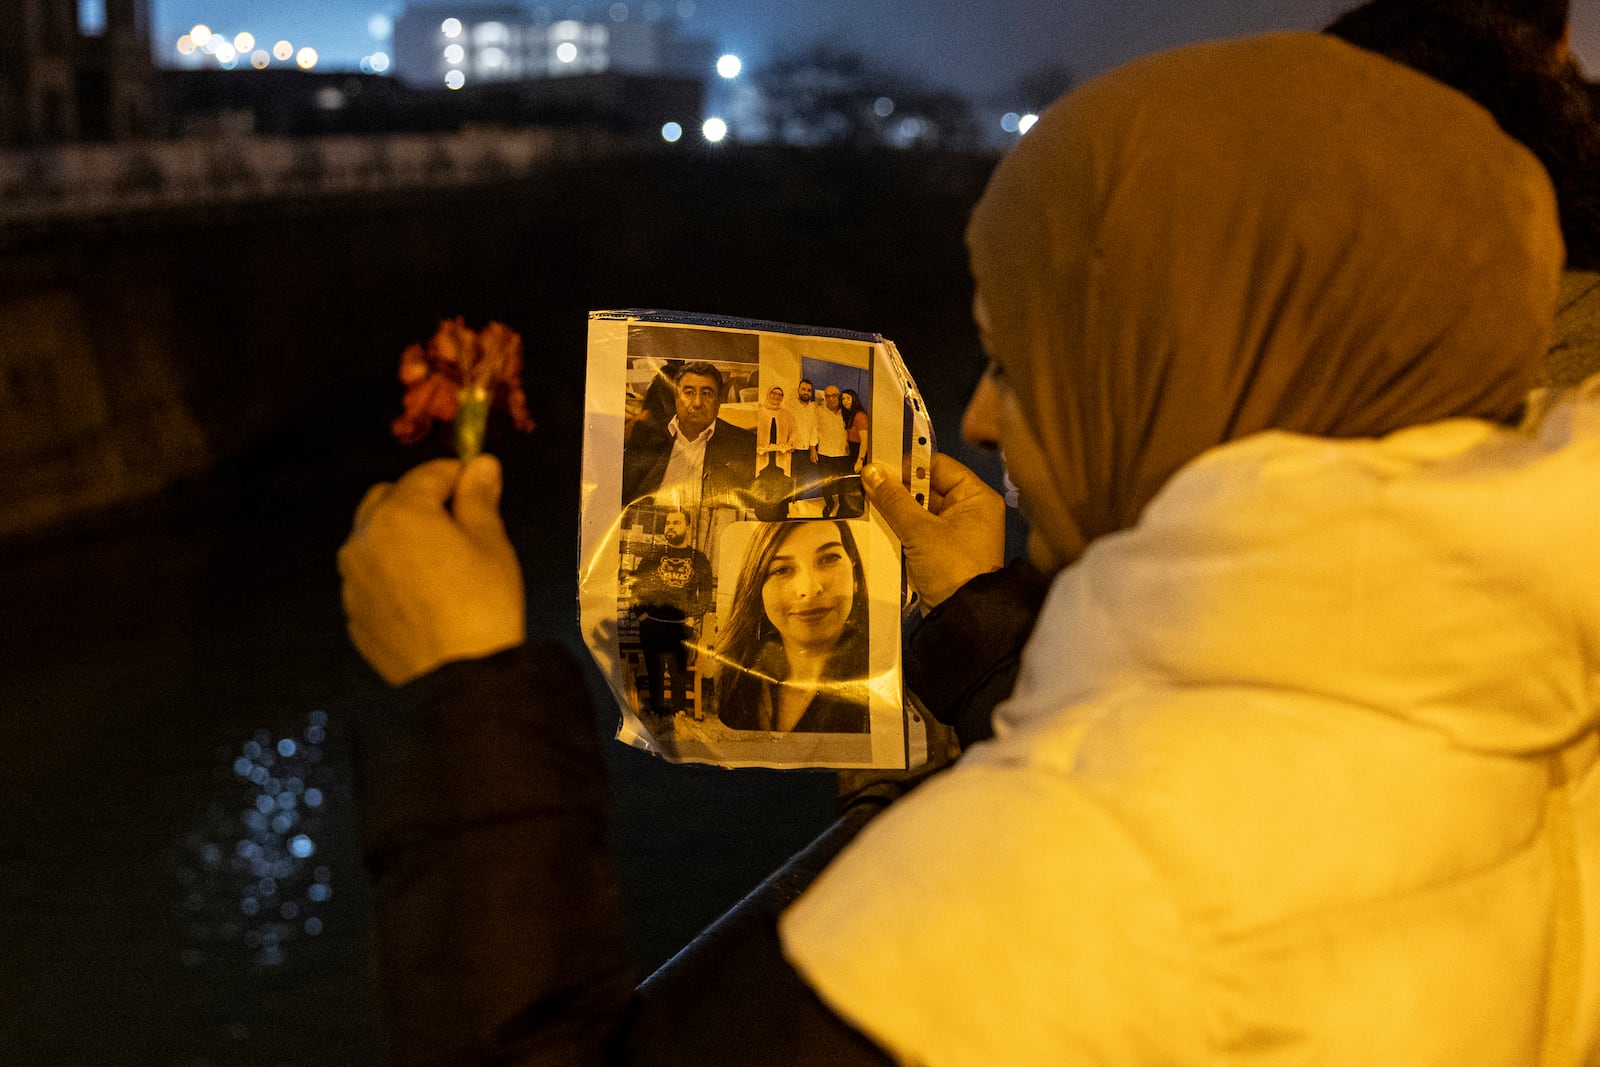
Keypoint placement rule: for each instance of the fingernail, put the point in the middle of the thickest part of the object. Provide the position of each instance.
(872, 475)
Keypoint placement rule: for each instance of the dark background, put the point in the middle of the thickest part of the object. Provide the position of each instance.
(145, 644)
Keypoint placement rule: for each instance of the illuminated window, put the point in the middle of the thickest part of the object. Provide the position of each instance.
(566, 30)
(92, 17)
(488, 33)
(492, 58)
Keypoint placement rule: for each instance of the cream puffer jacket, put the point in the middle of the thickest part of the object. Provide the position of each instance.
(1300, 770)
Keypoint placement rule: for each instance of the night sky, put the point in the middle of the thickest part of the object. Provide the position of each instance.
(977, 46)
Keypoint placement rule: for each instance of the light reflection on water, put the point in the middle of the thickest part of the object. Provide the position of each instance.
(250, 878)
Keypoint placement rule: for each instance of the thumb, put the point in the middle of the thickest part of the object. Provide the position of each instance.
(898, 507)
(428, 484)
(477, 502)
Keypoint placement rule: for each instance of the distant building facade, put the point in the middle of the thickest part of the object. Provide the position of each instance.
(71, 71)
(464, 44)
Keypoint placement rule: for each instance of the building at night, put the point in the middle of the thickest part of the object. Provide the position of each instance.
(457, 45)
(72, 70)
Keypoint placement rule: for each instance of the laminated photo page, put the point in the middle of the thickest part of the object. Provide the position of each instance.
(742, 598)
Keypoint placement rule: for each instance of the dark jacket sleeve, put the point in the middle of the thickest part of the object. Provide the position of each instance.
(963, 659)
(499, 929)
(499, 932)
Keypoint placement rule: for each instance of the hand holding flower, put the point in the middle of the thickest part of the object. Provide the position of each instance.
(429, 575)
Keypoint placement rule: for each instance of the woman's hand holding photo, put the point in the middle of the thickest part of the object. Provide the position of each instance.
(958, 536)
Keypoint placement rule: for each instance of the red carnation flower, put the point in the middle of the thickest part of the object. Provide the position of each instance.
(461, 375)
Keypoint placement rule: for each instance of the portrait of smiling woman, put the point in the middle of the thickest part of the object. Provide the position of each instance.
(792, 656)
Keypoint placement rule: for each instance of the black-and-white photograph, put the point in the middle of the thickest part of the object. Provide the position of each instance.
(689, 439)
(666, 584)
(791, 654)
(813, 430)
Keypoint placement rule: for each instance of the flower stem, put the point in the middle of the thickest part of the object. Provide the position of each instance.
(471, 421)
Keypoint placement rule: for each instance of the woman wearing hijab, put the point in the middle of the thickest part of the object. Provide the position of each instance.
(1510, 56)
(1300, 764)
(1309, 711)
(775, 432)
(792, 655)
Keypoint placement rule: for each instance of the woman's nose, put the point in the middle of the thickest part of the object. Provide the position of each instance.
(980, 424)
(806, 584)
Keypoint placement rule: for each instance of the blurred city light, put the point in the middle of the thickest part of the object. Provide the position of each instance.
(185, 45)
(451, 28)
(380, 26)
(671, 132)
(225, 53)
(883, 107)
(1009, 121)
(200, 34)
(243, 41)
(1025, 123)
(454, 80)
(567, 52)
(729, 66)
(714, 130)
(306, 58)
(454, 54)
(619, 12)
(259, 59)
(282, 50)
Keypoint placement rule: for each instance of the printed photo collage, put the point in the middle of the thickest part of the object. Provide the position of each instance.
(756, 611)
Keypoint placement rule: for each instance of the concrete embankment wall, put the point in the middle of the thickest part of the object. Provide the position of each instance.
(140, 349)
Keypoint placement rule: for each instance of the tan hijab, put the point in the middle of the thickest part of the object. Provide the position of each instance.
(1282, 232)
